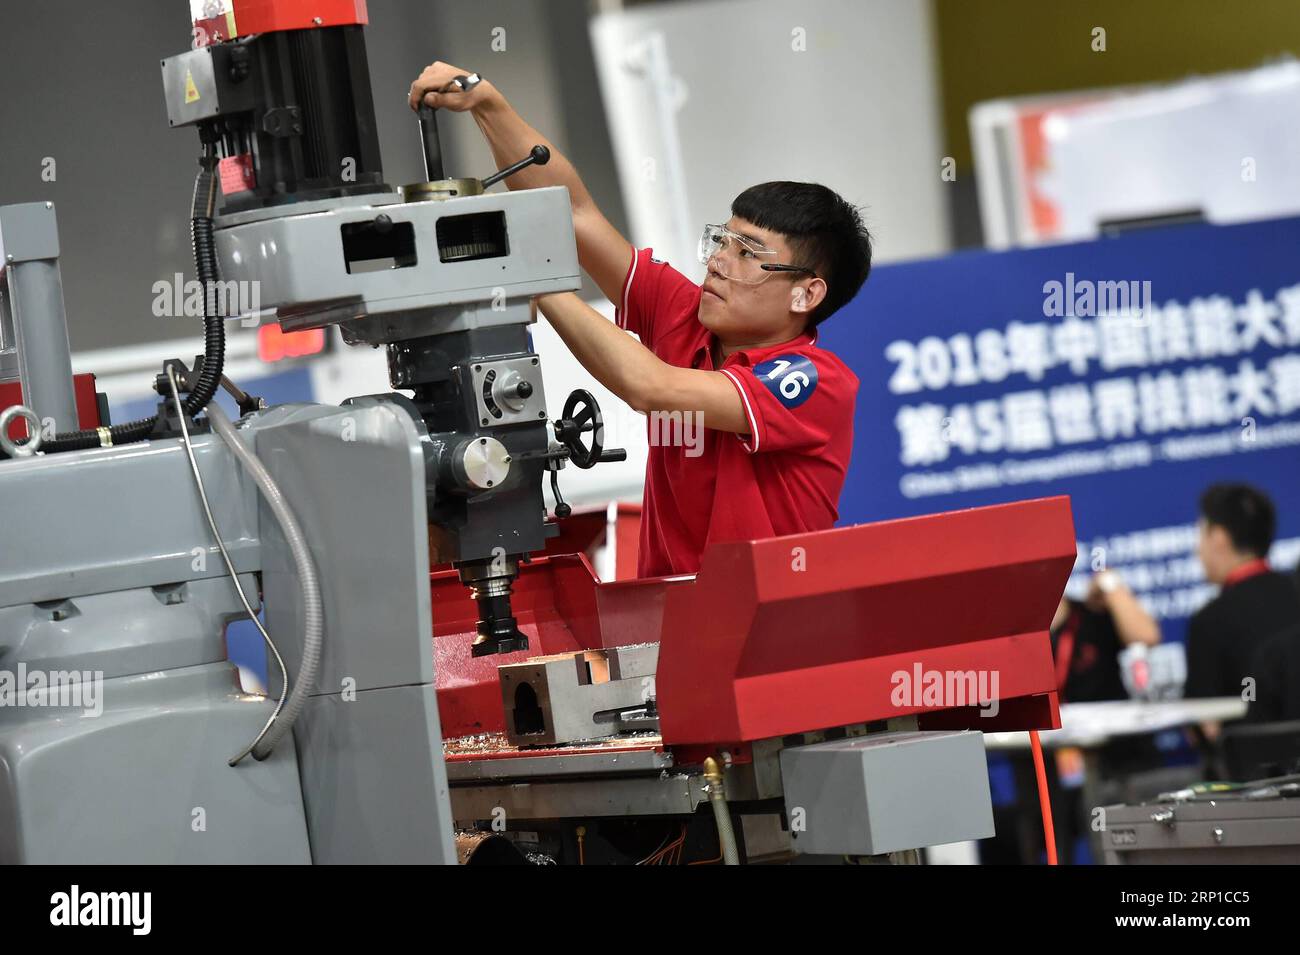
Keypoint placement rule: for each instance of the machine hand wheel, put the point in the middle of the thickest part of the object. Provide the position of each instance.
(581, 415)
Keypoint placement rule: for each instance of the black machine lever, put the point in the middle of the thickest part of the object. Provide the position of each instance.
(562, 510)
(539, 155)
(433, 169)
(432, 144)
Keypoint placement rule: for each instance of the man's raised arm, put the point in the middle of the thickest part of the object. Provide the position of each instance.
(602, 251)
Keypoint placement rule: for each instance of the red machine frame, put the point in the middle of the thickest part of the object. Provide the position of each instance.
(800, 633)
(246, 17)
(83, 394)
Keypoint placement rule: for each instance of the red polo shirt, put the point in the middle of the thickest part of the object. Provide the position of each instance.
(701, 485)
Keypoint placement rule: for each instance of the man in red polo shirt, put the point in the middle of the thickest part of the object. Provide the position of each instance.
(737, 355)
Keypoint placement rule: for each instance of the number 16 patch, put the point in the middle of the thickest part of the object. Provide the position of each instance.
(791, 378)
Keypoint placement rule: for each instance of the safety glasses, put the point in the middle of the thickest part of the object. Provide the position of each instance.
(740, 259)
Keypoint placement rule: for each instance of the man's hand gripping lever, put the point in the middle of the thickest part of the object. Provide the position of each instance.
(432, 145)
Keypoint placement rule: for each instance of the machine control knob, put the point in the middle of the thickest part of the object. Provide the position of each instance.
(512, 391)
(481, 463)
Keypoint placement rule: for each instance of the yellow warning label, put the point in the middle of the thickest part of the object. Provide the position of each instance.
(191, 91)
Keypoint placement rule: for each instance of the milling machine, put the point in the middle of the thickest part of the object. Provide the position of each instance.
(586, 720)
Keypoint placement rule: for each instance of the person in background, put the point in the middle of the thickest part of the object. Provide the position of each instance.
(1224, 637)
(1277, 662)
(1088, 635)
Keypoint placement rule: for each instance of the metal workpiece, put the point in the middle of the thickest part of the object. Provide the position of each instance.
(887, 792)
(587, 695)
(33, 323)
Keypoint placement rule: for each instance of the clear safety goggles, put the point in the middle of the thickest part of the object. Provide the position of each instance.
(739, 259)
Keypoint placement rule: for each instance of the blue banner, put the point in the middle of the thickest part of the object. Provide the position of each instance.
(1128, 373)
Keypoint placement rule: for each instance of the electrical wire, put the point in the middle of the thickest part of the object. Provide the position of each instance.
(214, 330)
(313, 612)
(662, 846)
(1044, 801)
(669, 853)
(230, 567)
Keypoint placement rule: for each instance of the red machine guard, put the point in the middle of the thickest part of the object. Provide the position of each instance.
(754, 647)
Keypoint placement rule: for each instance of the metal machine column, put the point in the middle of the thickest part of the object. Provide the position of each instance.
(33, 327)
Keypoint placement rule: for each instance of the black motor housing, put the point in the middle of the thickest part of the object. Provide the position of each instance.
(294, 106)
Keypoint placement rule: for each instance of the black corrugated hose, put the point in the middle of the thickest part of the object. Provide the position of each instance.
(214, 329)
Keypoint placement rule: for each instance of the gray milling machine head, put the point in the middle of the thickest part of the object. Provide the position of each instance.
(439, 273)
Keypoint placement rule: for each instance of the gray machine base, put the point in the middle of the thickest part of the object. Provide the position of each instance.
(146, 781)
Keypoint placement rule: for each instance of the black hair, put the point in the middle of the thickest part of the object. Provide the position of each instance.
(824, 231)
(1245, 512)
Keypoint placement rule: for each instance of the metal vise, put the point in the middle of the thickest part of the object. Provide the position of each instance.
(579, 696)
